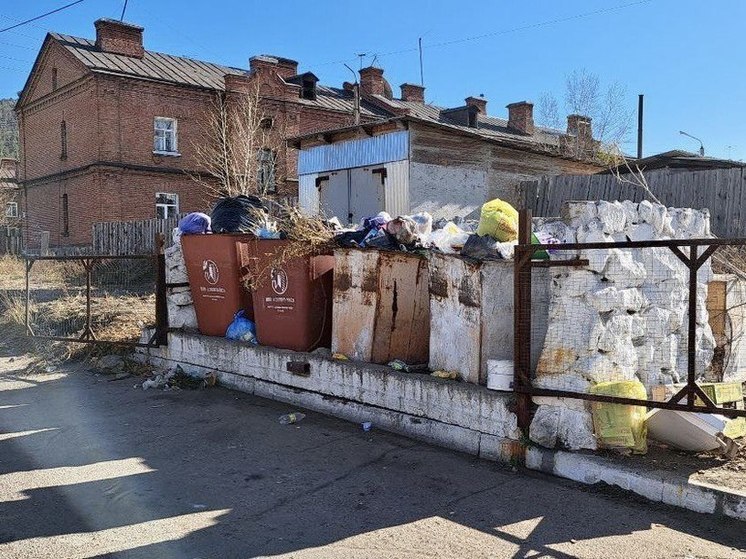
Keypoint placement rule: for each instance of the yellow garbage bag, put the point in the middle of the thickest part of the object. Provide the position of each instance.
(617, 425)
(499, 220)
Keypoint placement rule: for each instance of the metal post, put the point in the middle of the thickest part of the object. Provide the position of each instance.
(522, 319)
(692, 346)
(639, 126)
(29, 263)
(161, 306)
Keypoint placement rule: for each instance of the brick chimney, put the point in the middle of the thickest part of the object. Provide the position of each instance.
(580, 127)
(118, 37)
(285, 67)
(479, 102)
(412, 92)
(237, 83)
(371, 81)
(521, 117)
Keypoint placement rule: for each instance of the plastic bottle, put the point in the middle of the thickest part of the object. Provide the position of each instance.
(289, 418)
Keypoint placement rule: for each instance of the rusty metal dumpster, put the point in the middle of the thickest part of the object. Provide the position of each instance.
(215, 280)
(381, 306)
(292, 295)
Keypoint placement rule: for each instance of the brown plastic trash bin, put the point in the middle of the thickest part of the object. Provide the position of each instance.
(215, 280)
(292, 296)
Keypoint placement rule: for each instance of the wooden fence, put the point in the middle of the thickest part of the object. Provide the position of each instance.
(719, 190)
(117, 238)
(11, 240)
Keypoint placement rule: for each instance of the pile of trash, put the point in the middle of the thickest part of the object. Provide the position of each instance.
(177, 379)
(494, 238)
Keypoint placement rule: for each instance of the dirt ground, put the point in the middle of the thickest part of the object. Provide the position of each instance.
(710, 468)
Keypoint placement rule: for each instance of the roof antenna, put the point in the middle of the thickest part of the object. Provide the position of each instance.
(356, 96)
(373, 62)
(124, 9)
(422, 75)
(360, 55)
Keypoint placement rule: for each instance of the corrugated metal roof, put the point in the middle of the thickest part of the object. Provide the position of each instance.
(488, 126)
(187, 71)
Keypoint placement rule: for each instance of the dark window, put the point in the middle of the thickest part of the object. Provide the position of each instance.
(63, 139)
(472, 117)
(65, 217)
(54, 79)
(308, 90)
(266, 172)
(266, 123)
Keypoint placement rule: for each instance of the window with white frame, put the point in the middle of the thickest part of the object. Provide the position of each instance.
(11, 210)
(164, 139)
(266, 172)
(166, 205)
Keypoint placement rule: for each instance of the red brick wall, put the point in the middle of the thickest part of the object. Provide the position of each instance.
(110, 120)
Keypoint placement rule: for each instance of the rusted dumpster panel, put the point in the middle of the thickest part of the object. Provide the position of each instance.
(455, 316)
(471, 306)
(381, 306)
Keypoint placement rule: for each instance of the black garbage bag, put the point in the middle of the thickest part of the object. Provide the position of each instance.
(235, 214)
(481, 248)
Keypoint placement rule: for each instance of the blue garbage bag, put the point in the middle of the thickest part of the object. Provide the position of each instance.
(195, 223)
(241, 329)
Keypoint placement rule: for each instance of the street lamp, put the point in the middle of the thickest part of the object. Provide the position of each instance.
(701, 145)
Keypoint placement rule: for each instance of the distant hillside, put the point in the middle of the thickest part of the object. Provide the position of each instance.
(8, 129)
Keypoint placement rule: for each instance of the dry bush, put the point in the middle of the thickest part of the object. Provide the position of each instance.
(308, 236)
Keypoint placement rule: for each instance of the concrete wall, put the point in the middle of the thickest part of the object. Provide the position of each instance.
(446, 191)
(456, 415)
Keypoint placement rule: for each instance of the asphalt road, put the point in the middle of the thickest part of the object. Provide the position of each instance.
(95, 468)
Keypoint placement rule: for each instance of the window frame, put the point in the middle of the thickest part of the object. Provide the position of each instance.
(264, 185)
(166, 206)
(65, 215)
(11, 210)
(174, 135)
(55, 83)
(63, 139)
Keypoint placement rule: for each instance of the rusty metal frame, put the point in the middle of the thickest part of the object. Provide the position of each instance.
(159, 337)
(524, 264)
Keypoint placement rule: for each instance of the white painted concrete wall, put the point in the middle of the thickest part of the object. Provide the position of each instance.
(445, 191)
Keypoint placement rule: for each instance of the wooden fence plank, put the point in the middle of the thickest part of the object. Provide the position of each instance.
(719, 190)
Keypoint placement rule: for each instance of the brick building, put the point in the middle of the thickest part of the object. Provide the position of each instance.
(446, 161)
(108, 129)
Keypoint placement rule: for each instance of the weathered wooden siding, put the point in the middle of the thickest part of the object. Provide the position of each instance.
(11, 240)
(381, 306)
(131, 237)
(719, 190)
(457, 174)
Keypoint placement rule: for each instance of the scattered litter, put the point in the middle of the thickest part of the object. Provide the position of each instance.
(399, 365)
(177, 378)
(290, 418)
(195, 223)
(695, 432)
(340, 357)
(448, 375)
(120, 376)
(366, 425)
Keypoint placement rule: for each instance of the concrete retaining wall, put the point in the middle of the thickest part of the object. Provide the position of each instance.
(460, 416)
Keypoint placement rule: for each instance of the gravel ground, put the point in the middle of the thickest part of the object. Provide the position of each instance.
(91, 467)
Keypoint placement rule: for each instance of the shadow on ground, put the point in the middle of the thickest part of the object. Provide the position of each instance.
(95, 468)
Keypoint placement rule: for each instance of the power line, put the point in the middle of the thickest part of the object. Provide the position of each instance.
(41, 16)
(505, 31)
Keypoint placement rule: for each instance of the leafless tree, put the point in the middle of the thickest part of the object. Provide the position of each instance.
(585, 95)
(7, 195)
(242, 149)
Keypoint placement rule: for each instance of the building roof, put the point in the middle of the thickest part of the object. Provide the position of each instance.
(678, 159)
(490, 127)
(167, 68)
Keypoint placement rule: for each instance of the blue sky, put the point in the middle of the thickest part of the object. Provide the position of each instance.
(684, 55)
